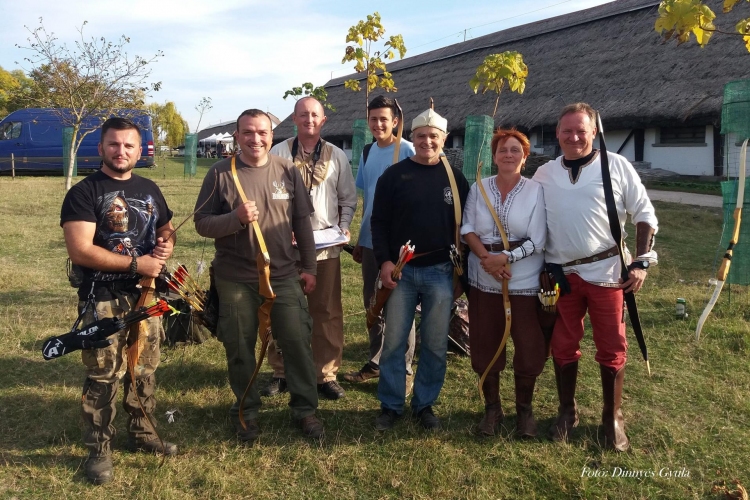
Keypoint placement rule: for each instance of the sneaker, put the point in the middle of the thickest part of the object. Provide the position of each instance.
(248, 436)
(386, 419)
(99, 469)
(427, 419)
(331, 390)
(311, 427)
(277, 385)
(366, 373)
(156, 446)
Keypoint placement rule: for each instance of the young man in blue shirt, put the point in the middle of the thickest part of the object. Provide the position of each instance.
(382, 118)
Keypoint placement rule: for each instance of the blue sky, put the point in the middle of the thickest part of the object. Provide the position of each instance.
(247, 53)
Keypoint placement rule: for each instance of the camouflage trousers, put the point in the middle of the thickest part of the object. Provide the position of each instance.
(105, 368)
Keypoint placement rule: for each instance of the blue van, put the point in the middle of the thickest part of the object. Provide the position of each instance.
(34, 136)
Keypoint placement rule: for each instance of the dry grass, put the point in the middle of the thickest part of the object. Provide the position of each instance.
(692, 415)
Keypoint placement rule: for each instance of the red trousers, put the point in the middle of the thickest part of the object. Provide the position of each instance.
(605, 308)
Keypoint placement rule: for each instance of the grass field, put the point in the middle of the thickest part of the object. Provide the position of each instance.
(685, 185)
(689, 424)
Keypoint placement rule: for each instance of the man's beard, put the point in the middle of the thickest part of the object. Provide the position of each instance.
(109, 163)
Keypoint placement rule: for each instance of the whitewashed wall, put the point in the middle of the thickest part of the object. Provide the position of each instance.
(683, 160)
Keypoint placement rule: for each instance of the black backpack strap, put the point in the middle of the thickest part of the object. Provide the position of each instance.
(366, 152)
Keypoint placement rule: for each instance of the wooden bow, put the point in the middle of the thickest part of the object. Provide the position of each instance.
(721, 275)
(399, 133)
(506, 292)
(263, 262)
(135, 343)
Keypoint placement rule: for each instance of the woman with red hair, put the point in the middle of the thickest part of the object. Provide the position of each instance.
(519, 204)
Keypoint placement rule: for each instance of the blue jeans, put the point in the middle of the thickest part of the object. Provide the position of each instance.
(433, 287)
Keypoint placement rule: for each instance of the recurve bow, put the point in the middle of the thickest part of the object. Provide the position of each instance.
(263, 263)
(506, 293)
(721, 276)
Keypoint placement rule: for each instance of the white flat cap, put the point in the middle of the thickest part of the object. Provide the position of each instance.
(429, 118)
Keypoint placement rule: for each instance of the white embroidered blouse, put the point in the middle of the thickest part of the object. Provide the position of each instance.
(524, 218)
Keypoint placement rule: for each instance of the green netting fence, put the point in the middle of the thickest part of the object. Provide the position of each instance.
(739, 271)
(361, 136)
(735, 125)
(477, 139)
(191, 149)
(735, 110)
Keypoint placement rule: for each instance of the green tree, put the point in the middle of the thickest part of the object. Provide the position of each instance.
(8, 87)
(169, 125)
(364, 35)
(496, 71)
(679, 19)
(93, 79)
(309, 90)
(14, 87)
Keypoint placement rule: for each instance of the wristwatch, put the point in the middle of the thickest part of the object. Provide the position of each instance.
(134, 265)
(639, 264)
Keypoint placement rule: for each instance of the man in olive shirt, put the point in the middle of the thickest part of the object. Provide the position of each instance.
(278, 200)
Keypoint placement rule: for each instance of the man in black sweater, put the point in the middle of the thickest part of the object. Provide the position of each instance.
(414, 202)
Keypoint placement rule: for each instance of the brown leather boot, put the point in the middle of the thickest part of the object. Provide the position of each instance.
(525, 423)
(493, 411)
(567, 412)
(612, 420)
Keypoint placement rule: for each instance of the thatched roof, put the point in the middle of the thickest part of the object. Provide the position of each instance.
(609, 56)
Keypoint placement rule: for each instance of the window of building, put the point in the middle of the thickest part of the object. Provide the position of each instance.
(683, 135)
(547, 136)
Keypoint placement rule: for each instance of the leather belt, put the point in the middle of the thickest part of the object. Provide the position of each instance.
(606, 254)
(498, 247)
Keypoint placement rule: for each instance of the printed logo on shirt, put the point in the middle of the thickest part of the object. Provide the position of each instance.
(448, 195)
(279, 191)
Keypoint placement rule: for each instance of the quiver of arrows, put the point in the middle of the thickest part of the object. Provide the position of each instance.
(549, 292)
(204, 303)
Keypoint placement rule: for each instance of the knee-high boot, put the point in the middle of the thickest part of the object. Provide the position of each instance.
(493, 411)
(567, 412)
(525, 423)
(612, 419)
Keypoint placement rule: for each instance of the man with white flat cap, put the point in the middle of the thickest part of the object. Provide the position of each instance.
(414, 201)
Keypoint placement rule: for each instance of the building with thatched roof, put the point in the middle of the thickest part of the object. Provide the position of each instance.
(660, 103)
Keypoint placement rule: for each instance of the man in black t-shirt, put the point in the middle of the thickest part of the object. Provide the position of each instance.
(117, 229)
(414, 201)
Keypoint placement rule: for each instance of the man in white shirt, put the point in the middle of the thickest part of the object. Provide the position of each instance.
(326, 173)
(580, 243)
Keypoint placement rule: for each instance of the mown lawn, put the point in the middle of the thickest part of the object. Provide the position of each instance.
(689, 424)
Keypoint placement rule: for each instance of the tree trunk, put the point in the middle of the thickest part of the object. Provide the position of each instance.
(71, 160)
